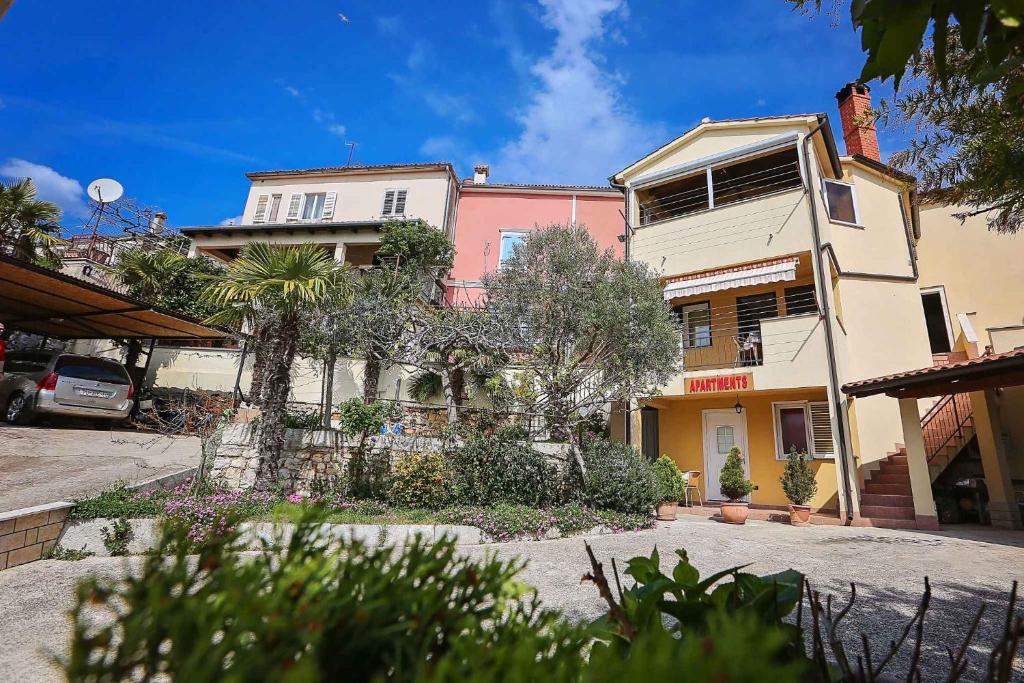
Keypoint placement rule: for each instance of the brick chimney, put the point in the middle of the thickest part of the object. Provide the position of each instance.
(858, 123)
(480, 173)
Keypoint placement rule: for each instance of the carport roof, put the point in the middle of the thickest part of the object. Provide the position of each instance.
(985, 372)
(41, 301)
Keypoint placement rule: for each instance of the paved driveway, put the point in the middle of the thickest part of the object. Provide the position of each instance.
(966, 568)
(43, 465)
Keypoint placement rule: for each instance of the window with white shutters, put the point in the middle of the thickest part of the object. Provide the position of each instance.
(275, 208)
(394, 202)
(261, 208)
(329, 202)
(294, 206)
(821, 430)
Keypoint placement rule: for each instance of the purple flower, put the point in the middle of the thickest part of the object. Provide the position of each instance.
(295, 498)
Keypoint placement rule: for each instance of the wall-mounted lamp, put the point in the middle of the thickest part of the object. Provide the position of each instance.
(738, 406)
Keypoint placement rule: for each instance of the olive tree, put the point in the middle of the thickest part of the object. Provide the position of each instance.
(590, 328)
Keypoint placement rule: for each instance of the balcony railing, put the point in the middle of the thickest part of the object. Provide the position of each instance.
(745, 333)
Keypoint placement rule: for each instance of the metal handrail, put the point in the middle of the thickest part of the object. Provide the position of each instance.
(948, 417)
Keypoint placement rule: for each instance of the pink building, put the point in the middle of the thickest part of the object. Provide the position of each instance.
(492, 217)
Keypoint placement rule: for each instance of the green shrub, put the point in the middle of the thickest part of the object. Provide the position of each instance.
(116, 540)
(505, 522)
(365, 419)
(120, 501)
(669, 480)
(420, 480)
(313, 610)
(618, 478)
(304, 420)
(59, 552)
(732, 480)
(798, 478)
(497, 469)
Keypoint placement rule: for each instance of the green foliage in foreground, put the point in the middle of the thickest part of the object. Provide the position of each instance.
(321, 610)
(120, 501)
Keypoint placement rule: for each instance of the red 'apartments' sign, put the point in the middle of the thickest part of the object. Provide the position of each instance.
(717, 383)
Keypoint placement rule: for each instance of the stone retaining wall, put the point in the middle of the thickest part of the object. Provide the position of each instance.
(321, 454)
(26, 534)
(308, 455)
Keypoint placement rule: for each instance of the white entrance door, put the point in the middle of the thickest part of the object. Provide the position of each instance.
(723, 429)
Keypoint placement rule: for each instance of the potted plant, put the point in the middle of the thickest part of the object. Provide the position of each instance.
(799, 486)
(668, 481)
(734, 485)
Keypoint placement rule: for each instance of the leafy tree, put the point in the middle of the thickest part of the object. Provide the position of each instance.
(278, 283)
(167, 279)
(417, 247)
(453, 345)
(893, 32)
(968, 147)
(590, 328)
(164, 278)
(965, 103)
(29, 226)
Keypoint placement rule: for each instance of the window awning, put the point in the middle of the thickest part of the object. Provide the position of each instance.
(762, 272)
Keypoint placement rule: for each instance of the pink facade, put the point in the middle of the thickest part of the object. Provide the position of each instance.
(489, 215)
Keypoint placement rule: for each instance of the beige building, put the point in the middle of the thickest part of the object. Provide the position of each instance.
(341, 208)
(792, 270)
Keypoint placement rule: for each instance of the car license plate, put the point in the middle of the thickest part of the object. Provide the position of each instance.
(92, 393)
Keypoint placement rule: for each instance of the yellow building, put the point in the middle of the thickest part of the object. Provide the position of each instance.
(793, 271)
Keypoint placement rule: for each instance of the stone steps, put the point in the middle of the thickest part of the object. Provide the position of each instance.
(886, 499)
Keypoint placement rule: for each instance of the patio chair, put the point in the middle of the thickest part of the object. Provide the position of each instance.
(692, 478)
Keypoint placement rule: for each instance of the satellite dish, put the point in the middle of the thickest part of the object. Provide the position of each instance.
(105, 190)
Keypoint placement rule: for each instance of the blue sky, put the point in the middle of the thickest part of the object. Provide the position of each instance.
(178, 100)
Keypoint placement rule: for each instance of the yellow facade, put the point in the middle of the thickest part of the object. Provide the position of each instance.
(682, 439)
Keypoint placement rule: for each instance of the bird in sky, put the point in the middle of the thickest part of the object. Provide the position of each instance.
(343, 18)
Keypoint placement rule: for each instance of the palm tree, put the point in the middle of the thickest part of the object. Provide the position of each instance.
(145, 273)
(29, 226)
(269, 285)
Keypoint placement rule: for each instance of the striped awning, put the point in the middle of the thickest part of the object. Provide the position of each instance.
(759, 273)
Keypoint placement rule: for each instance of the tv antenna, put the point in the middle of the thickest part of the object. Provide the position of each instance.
(351, 150)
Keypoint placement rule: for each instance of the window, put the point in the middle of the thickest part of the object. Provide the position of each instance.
(805, 426)
(260, 214)
(725, 438)
(696, 322)
(756, 177)
(675, 198)
(936, 320)
(509, 240)
(275, 208)
(394, 202)
(800, 300)
(313, 206)
(841, 200)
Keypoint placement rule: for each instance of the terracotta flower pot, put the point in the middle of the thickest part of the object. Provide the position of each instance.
(667, 510)
(800, 515)
(735, 512)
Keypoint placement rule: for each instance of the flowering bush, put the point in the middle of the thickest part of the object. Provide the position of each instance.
(204, 518)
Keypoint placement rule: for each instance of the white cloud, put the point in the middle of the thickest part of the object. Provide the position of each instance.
(419, 55)
(67, 193)
(576, 128)
(455, 107)
(388, 25)
(234, 220)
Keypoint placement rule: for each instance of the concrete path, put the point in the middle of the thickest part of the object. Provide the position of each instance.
(967, 567)
(42, 465)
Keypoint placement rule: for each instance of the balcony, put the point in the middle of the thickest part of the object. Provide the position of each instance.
(773, 334)
(712, 216)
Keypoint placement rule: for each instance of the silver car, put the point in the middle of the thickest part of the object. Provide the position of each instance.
(37, 383)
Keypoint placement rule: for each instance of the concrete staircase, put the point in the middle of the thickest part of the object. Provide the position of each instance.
(886, 500)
